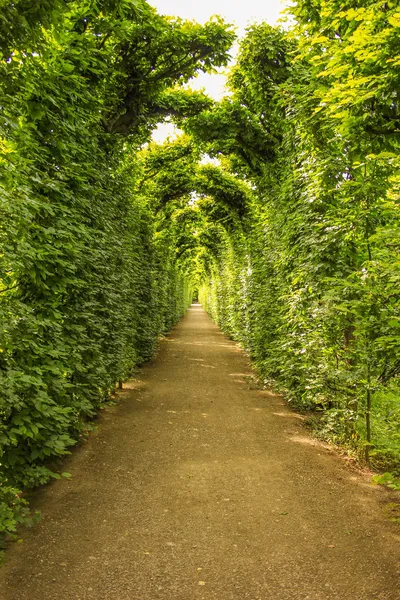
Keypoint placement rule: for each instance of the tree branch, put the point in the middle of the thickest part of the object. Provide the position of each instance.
(9, 288)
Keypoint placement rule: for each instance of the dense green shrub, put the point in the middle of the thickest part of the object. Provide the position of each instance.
(86, 284)
(322, 242)
(303, 268)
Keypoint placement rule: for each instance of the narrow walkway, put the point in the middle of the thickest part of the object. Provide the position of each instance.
(199, 486)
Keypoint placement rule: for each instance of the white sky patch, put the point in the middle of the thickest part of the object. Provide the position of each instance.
(213, 84)
(209, 160)
(239, 13)
(163, 131)
(194, 197)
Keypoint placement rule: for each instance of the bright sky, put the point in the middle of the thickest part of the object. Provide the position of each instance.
(238, 12)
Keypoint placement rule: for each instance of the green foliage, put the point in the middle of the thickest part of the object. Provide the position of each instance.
(388, 480)
(89, 276)
(306, 277)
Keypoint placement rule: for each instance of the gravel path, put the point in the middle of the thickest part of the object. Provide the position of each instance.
(199, 486)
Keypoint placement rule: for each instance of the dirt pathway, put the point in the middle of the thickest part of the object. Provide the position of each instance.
(198, 486)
